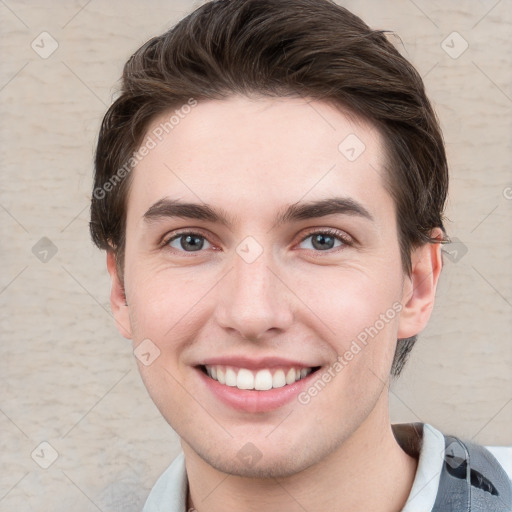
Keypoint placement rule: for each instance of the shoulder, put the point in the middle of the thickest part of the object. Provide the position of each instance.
(472, 480)
(453, 475)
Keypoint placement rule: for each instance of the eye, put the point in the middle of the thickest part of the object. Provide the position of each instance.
(325, 240)
(188, 242)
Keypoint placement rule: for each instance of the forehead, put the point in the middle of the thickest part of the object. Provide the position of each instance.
(254, 155)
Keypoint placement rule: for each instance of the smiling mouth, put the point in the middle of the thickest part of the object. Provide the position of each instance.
(261, 380)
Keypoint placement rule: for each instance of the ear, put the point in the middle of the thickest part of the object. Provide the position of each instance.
(118, 299)
(420, 287)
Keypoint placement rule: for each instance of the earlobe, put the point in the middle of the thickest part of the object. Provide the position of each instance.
(420, 287)
(118, 303)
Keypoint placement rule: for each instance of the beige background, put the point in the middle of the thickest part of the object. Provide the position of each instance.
(67, 376)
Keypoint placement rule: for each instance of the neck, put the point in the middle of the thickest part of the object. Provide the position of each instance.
(369, 471)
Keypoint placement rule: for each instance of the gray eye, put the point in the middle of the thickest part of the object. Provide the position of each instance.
(322, 241)
(188, 242)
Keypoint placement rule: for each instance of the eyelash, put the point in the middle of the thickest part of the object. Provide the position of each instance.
(334, 233)
(345, 240)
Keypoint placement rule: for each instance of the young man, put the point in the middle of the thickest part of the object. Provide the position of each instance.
(269, 189)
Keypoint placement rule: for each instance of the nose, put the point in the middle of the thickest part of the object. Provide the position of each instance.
(253, 300)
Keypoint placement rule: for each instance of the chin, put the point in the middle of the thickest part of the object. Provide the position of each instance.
(279, 466)
(270, 462)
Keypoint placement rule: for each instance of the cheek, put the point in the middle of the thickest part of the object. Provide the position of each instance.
(365, 324)
(358, 315)
(164, 303)
(165, 308)
(349, 302)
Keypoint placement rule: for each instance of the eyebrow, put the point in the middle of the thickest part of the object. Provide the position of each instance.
(170, 208)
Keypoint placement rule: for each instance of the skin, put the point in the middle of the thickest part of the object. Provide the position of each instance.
(251, 158)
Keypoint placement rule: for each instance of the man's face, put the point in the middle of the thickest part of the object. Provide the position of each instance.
(259, 297)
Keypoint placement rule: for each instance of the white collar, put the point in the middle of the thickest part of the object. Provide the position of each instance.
(169, 494)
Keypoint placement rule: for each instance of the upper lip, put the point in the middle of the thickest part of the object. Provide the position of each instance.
(255, 363)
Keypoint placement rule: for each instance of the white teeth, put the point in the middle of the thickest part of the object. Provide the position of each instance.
(278, 379)
(290, 376)
(245, 379)
(230, 377)
(262, 380)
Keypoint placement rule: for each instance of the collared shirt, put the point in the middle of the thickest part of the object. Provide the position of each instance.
(445, 480)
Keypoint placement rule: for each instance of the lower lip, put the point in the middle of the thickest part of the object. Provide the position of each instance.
(252, 400)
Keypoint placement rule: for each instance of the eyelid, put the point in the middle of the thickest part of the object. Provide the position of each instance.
(344, 237)
(168, 237)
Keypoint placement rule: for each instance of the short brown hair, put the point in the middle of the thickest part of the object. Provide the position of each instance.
(313, 49)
